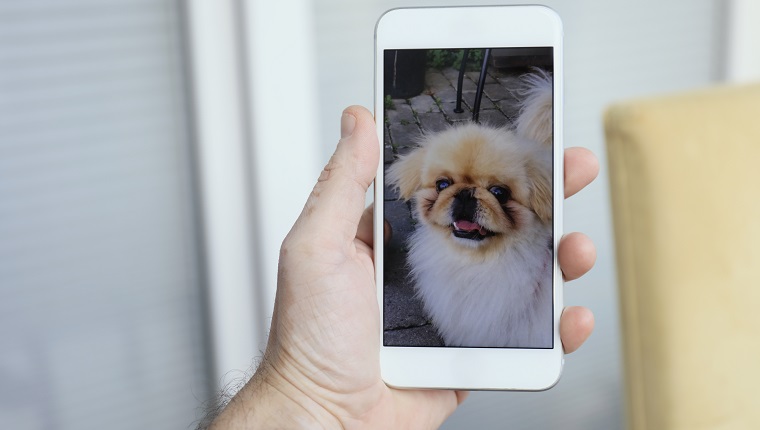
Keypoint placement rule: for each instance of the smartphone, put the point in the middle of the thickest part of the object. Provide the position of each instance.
(468, 106)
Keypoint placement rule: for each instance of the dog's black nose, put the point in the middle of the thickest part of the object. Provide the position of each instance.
(465, 194)
(465, 205)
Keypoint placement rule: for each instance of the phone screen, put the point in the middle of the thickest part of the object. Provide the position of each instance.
(468, 194)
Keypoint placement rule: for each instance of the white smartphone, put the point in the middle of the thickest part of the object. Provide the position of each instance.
(468, 105)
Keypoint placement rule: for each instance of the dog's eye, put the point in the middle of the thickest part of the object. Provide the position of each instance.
(442, 184)
(501, 193)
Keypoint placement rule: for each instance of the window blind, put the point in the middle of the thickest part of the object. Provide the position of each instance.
(101, 321)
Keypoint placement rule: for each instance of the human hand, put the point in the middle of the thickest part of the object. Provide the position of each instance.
(321, 368)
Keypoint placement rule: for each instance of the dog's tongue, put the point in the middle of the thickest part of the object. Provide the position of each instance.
(469, 226)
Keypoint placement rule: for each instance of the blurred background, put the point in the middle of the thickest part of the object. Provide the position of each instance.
(154, 153)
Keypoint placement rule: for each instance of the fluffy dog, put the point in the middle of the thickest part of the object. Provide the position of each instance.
(481, 253)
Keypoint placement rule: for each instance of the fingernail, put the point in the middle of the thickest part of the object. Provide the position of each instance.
(347, 124)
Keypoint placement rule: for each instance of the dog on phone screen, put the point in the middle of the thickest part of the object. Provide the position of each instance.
(481, 255)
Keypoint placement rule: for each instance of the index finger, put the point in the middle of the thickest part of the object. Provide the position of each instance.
(581, 167)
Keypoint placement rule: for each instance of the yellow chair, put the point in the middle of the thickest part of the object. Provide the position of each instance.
(685, 187)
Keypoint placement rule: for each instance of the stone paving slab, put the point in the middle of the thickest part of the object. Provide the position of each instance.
(398, 216)
(415, 336)
(404, 135)
(448, 108)
(451, 74)
(496, 92)
(446, 93)
(389, 192)
(435, 79)
(424, 103)
(510, 81)
(485, 102)
(401, 309)
(402, 113)
(433, 122)
(403, 150)
(493, 118)
(387, 147)
(387, 154)
(475, 76)
(509, 108)
(386, 135)
(467, 85)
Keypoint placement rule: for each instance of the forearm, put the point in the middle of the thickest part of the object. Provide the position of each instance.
(267, 402)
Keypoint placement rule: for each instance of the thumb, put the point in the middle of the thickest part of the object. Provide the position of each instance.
(336, 203)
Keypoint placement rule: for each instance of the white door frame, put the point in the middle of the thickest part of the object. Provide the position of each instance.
(254, 99)
(743, 41)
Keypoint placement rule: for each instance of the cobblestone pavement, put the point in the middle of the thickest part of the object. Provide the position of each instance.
(405, 323)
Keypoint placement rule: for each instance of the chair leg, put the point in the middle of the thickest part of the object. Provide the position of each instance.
(460, 81)
(481, 85)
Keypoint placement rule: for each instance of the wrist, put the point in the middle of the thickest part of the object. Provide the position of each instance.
(270, 401)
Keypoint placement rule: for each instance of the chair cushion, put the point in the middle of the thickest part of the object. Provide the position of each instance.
(685, 188)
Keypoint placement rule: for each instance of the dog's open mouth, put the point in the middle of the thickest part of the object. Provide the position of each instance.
(470, 230)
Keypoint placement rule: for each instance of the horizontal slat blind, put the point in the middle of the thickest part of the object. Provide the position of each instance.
(100, 295)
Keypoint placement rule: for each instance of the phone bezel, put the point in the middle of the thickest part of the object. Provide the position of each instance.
(497, 26)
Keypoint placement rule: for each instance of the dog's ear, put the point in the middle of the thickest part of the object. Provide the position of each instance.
(406, 173)
(541, 199)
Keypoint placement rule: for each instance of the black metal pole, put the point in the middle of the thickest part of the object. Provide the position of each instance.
(481, 85)
(460, 81)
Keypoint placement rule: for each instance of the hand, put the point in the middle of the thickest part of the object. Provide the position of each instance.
(321, 368)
